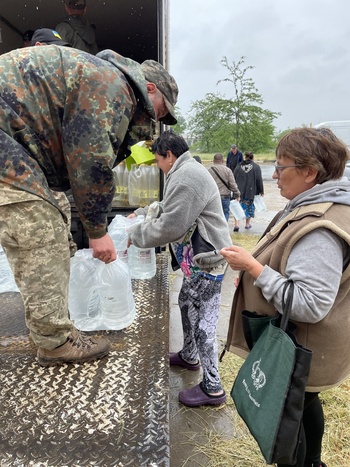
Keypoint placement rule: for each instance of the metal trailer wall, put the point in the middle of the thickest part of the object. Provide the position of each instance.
(134, 28)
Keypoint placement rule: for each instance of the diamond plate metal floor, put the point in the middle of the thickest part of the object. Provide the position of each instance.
(113, 412)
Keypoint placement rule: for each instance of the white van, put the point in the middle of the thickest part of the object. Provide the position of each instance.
(341, 128)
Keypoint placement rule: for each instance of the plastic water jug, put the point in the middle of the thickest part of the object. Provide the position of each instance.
(259, 204)
(7, 280)
(236, 209)
(141, 261)
(100, 295)
(126, 186)
(144, 182)
(153, 183)
(117, 231)
(134, 185)
(119, 196)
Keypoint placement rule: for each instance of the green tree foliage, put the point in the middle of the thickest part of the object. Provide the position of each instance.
(180, 127)
(216, 122)
(207, 126)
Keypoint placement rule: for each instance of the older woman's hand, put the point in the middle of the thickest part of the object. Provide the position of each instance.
(240, 259)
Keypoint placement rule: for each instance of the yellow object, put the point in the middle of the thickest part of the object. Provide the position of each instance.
(139, 155)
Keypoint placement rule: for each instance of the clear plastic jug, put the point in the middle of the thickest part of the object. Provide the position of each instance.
(117, 231)
(141, 261)
(100, 295)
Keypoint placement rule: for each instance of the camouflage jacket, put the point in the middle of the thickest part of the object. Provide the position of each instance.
(67, 117)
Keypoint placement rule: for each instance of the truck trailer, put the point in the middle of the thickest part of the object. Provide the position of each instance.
(137, 29)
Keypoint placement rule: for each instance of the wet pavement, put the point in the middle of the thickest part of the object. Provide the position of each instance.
(142, 423)
(189, 427)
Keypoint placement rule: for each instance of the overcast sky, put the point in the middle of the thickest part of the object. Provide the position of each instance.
(300, 51)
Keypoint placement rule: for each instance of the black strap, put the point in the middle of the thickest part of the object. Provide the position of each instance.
(287, 301)
(214, 170)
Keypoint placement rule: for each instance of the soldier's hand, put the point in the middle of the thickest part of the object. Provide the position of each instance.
(103, 249)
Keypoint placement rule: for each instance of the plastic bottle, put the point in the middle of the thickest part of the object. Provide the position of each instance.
(117, 231)
(117, 303)
(100, 295)
(7, 280)
(153, 183)
(126, 186)
(119, 196)
(144, 184)
(236, 209)
(134, 185)
(141, 261)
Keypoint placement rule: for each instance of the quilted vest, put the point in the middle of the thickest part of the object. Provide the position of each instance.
(329, 339)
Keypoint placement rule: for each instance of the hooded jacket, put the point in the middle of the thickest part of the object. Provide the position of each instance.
(191, 196)
(249, 179)
(64, 117)
(309, 244)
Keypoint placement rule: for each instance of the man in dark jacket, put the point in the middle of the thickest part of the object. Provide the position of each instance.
(66, 118)
(234, 157)
(76, 29)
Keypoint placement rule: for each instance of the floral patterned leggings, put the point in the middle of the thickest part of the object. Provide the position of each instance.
(199, 302)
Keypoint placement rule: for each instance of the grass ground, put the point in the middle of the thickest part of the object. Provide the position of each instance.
(242, 450)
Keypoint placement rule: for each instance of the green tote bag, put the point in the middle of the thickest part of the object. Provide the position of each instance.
(269, 389)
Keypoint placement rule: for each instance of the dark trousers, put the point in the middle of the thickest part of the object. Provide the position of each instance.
(311, 433)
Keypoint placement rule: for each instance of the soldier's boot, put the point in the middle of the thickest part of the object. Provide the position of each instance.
(79, 348)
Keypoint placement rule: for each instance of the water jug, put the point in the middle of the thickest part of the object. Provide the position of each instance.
(153, 183)
(236, 209)
(141, 261)
(100, 295)
(119, 196)
(117, 231)
(134, 185)
(7, 280)
(126, 186)
(144, 184)
(259, 204)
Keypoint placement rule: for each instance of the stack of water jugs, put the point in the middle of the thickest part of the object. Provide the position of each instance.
(137, 187)
(100, 295)
(141, 261)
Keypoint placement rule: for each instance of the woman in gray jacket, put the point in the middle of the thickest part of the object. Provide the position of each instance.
(192, 221)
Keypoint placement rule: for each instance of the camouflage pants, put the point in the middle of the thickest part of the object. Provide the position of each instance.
(34, 237)
(64, 205)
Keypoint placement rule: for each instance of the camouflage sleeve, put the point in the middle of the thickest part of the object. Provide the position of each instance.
(96, 119)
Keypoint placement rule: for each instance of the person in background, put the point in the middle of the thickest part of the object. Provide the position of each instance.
(49, 142)
(192, 222)
(234, 157)
(250, 183)
(76, 29)
(197, 158)
(225, 181)
(309, 244)
(27, 38)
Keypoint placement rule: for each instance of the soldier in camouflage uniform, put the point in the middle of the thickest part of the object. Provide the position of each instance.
(67, 117)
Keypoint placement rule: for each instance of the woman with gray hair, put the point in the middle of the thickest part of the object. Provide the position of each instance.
(307, 243)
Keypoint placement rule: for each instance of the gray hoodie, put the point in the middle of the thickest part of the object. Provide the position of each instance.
(315, 263)
(190, 196)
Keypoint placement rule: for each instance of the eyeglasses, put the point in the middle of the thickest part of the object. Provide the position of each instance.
(279, 168)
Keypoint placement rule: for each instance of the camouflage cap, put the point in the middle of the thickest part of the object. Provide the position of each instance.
(155, 73)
